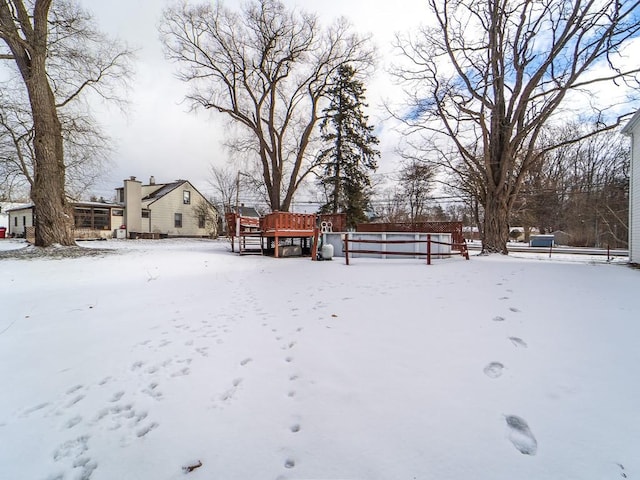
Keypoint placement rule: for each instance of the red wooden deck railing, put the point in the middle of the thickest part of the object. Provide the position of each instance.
(288, 222)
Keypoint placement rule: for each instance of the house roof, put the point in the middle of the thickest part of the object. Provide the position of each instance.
(631, 124)
(248, 212)
(162, 190)
(28, 206)
(25, 206)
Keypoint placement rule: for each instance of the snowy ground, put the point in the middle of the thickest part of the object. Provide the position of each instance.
(163, 355)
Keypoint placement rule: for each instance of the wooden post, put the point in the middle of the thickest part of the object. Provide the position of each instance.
(346, 247)
(428, 249)
(314, 244)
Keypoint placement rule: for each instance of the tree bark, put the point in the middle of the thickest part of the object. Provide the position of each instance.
(28, 44)
(496, 223)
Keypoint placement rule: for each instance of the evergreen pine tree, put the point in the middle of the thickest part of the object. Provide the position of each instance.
(350, 154)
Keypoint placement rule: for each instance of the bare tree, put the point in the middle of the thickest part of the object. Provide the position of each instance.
(416, 179)
(86, 150)
(224, 181)
(59, 56)
(492, 73)
(583, 189)
(267, 68)
(207, 217)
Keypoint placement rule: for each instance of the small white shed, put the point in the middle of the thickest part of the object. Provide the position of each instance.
(632, 129)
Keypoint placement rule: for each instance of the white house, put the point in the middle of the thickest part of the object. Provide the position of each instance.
(632, 129)
(91, 220)
(175, 209)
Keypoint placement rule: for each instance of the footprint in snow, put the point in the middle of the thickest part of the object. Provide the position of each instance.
(72, 422)
(30, 410)
(145, 430)
(74, 400)
(74, 389)
(136, 365)
(518, 342)
(520, 435)
(117, 396)
(182, 372)
(494, 370)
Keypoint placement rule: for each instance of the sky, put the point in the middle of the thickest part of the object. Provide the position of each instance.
(175, 354)
(158, 135)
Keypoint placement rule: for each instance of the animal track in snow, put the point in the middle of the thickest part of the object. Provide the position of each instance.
(295, 428)
(152, 392)
(289, 463)
(288, 359)
(72, 448)
(72, 422)
(74, 400)
(518, 342)
(520, 435)
(203, 351)
(75, 450)
(145, 430)
(117, 396)
(498, 319)
(514, 309)
(246, 361)
(74, 389)
(493, 369)
(29, 411)
(182, 372)
(137, 365)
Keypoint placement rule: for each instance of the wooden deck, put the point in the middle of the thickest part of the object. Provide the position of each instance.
(278, 226)
(273, 228)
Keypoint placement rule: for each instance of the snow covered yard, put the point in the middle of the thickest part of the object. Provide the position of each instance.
(161, 355)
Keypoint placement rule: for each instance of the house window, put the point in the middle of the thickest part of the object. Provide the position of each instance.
(177, 220)
(201, 221)
(120, 195)
(24, 221)
(186, 197)
(118, 213)
(146, 213)
(15, 221)
(95, 218)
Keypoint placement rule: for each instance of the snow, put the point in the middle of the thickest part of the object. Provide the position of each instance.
(147, 359)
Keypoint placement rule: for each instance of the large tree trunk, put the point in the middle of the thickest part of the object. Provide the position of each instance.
(496, 223)
(53, 215)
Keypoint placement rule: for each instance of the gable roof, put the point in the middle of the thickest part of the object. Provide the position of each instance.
(166, 188)
(631, 124)
(163, 190)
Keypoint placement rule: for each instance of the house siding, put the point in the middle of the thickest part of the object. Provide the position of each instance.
(163, 212)
(24, 217)
(634, 197)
